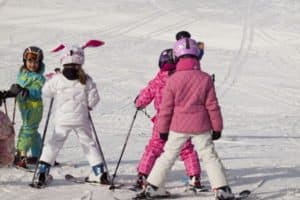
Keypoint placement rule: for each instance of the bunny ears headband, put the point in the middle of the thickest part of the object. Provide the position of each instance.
(75, 54)
(90, 43)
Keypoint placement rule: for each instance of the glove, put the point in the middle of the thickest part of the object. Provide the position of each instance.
(216, 135)
(1, 98)
(1, 95)
(138, 108)
(16, 89)
(164, 136)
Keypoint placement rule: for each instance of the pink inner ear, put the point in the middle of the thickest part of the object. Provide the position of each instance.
(60, 47)
(93, 43)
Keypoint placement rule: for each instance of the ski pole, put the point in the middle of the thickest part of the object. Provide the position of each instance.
(98, 144)
(5, 107)
(145, 112)
(14, 111)
(43, 139)
(112, 186)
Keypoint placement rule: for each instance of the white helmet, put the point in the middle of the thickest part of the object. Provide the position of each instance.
(74, 54)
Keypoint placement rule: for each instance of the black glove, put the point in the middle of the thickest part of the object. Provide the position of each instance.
(216, 135)
(164, 136)
(139, 108)
(1, 97)
(16, 89)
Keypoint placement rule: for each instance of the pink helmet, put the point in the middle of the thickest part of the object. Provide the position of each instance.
(185, 46)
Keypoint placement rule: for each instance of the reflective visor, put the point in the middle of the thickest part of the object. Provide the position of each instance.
(31, 56)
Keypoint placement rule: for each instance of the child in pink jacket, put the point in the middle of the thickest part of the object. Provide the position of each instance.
(189, 109)
(154, 148)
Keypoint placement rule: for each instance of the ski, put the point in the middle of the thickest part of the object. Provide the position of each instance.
(84, 180)
(243, 195)
(196, 190)
(168, 196)
(30, 168)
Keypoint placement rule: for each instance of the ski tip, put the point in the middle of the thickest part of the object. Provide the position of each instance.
(67, 176)
(112, 187)
(245, 193)
(35, 185)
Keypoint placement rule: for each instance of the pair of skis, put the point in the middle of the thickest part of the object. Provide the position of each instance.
(81, 180)
(243, 195)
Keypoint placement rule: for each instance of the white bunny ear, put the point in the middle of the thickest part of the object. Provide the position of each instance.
(93, 43)
(60, 47)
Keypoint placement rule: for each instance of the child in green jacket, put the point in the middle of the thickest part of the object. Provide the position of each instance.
(28, 92)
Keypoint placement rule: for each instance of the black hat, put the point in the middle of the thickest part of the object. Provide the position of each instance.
(182, 34)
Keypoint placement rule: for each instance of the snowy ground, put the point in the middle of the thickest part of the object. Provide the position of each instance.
(252, 46)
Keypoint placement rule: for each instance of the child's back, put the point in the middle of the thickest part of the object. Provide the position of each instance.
(195, 106)
(72, 99)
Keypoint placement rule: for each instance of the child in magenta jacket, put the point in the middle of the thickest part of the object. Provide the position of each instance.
(189, 109)
(154, 148)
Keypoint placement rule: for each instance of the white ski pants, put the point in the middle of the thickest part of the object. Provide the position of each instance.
(57, 140)
(203, 143)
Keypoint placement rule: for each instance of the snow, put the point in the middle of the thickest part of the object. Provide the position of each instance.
(252, 46)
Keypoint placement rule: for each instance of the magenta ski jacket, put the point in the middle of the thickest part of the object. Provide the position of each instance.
(153, 91)
(189, 102)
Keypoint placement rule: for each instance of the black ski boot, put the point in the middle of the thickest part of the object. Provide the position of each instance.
(195, 185)
(140, 182)
(43, 176)
(224, 193)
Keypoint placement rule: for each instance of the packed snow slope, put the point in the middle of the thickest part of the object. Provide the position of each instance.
(252, 46)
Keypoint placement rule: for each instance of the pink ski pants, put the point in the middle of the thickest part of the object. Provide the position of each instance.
(154, 149)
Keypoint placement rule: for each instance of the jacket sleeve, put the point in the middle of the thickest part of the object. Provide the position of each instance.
(32, 84)
(147, 94)
(92, 93)
(166, 109)
(213, 108)
(49, 88)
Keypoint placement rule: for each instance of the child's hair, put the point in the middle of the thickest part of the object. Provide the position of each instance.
(74, 71)
(82, 76)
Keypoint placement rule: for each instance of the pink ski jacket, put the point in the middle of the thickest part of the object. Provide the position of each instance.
(153, 91)
(189, 102)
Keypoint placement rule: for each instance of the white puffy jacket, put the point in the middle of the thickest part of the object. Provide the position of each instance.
(72, 99)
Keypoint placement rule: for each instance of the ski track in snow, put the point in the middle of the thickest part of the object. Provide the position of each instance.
(257, 79)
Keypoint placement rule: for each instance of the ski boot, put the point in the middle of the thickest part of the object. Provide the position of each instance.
(43, 176)
(195, 185)
(140, 182)
(20, 160)
(98, 175)
(224, 193)
(152, 192)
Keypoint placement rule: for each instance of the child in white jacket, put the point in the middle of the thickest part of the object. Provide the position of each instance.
(75, 94)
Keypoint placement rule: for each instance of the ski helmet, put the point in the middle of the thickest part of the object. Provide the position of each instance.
(166, 56)
(201, 50)
(33, 52)
(182, 34)
(73, 54)
(185, 47)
